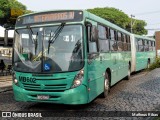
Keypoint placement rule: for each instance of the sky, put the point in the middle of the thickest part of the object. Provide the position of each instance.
(147, 10)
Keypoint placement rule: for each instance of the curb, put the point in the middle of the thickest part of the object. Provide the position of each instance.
(6, 88)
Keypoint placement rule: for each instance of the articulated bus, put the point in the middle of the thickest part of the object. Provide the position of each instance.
(73, 56)
(143, 52)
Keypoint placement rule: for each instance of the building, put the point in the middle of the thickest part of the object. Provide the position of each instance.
(157, 37)
(6, 51)
(10, 37)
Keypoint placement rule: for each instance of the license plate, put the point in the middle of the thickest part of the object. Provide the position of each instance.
(42, 97)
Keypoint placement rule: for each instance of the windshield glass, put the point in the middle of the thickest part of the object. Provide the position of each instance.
(38, 50)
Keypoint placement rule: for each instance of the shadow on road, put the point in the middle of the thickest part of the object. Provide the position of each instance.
(56, 107)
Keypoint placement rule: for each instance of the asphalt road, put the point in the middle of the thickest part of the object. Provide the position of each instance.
(140, 93)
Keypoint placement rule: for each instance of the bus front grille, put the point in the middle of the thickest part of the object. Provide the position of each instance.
(45, 87)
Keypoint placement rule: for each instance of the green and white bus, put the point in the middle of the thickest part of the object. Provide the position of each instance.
(69, 57)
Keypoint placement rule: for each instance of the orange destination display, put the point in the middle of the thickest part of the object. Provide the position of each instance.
(50, 17)
(54, 17)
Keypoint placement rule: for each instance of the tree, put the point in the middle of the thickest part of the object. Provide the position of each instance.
(138, 27)
(6, 6)
(120, 18)
(111, 14)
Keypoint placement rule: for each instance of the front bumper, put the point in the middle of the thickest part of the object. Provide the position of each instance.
(77, 95)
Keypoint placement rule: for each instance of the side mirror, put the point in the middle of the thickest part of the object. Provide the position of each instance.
(88, 24)
(94, 34)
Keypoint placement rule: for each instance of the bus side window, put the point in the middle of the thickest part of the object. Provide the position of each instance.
(142, 48)
(138, 40)
(136, 43)
(128, 43)
(124, 42)
(102, 37)
(146, 45)
(112, 36)
(140, 45)
(150, 45)
(143, 42)
(113, 42)
(92, 38)
(119, 42)
(153, 45)
(107, 32)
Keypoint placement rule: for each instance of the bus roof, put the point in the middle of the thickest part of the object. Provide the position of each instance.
(94, 18)
(105, 22)
(86, 15)
(48, 11)
(144, 37)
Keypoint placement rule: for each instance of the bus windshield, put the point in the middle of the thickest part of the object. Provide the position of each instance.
(48, 49)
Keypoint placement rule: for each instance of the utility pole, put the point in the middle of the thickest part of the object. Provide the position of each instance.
(132, 23)
(5, 37)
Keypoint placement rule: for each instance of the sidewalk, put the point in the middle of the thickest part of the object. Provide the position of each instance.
(5, 83)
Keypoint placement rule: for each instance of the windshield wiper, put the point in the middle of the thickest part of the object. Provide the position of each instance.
(30, 34)
(53, 38)
(34, 41)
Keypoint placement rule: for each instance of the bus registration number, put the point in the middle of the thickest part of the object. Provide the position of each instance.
(42, 97)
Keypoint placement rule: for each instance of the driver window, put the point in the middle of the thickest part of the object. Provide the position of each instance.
(92, 45)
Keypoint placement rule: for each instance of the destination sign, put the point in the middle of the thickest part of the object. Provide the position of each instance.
(54, 17)
(47, 17)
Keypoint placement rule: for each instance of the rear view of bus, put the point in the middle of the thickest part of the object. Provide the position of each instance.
(49, 58)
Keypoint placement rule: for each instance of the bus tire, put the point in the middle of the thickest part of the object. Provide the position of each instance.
(128, 73)
(106, 86)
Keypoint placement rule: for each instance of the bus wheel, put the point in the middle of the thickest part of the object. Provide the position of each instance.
(106, 86)
(129, 74)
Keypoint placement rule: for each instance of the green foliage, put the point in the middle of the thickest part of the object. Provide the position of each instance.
(27, 11)
(16, 5)
(156, 64)
(138, 27)
(111, 14)
(121, 19)
(5, 11)
(4, 7)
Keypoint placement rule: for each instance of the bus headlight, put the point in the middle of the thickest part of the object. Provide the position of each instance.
(15, 81)
(78, 79)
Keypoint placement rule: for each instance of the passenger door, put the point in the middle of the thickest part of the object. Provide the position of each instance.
(95, 80)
